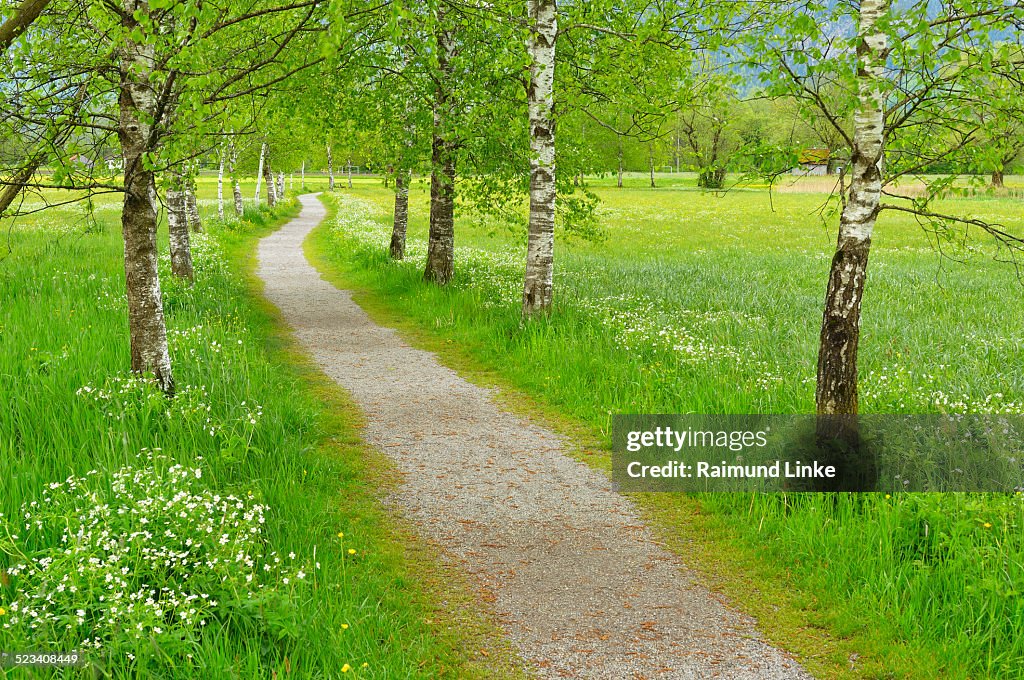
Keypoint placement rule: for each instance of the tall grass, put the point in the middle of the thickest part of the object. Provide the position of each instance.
(696, 303)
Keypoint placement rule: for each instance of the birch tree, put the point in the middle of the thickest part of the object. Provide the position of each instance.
(441, 238)
(538, 281)
(836, 391)
(916, 78)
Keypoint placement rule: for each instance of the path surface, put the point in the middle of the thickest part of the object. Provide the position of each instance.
(575, 578)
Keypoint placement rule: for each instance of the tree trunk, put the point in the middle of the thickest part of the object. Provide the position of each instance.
(220, 186)
(441, 240)
(349, 173)
(268, 176)
(21, 177)
(192, 217)
(177, 229)
(239, 206)
(280, 185)
(259, 172)
(538, 284)
(650, 163)
(620, 162)
(401, 224)
(330, 169)
(836, 392)
(137, 109)
(236, 186)
(997, 179)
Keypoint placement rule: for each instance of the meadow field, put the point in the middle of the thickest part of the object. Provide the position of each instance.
(711, 303)
(691, 302)
(234, 531)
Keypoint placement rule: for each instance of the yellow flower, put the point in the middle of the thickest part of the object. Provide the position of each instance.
(888, 496)
(346, 668)
(351, 551)
(2, 611)
(341, 535)
(987, 525)
(344, 626)
(365, 664)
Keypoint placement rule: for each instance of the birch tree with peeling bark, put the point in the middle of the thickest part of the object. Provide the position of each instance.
(538, 281)
(220, 183)
(918, 81)
(138, 110)
(441, 237)
(330, 168)
(836, 391)
(260, 172)
(178, 236)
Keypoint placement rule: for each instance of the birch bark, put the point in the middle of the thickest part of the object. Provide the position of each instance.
(330, 169)
(268, 176)
(836, 392)
(178, 238)
(236, 186)
(259, 172)
(401, 222)
(220, 185)
(137, 109)
(441, 239)
(538, 281)
(192, 218)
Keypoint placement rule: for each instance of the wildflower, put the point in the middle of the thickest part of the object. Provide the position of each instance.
(351, 551)
(987, 525)
(346, 668)
(344, 626)
(2, 611)
(341, 535)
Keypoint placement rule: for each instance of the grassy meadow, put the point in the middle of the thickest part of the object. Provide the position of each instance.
(711, 303)
(236, 531)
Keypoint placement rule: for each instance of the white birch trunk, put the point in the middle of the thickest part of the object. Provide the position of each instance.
(400, 224)
(330, 169)
(441, 237)
(539, 280)
(259, 172)
(268, 176)
(137, 109)
(836, 392)
(192, 218)
(349, 173)
(236, 185)
(280, 185)
(177, 232)
(220, 185)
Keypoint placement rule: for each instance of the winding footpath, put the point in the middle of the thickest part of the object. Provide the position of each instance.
(572, 572)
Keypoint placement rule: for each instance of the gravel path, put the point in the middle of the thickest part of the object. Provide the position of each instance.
(574, 576)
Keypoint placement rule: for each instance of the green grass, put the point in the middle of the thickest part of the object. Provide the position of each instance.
(392, 604)
(711, 304)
